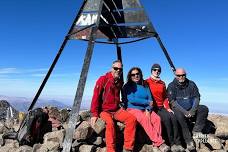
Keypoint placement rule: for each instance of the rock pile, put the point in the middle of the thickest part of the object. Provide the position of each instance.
(88, 139)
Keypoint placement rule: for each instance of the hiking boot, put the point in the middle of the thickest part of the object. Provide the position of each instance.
(177, 148)
(180, 148)
(174, 148)
(125, 150)
(164, 148)
(191, 146)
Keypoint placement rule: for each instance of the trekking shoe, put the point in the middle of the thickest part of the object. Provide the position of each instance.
(174, 148)
(191, 146)
(164, 148)
(180, 148)
(177, 148)
(125, 150)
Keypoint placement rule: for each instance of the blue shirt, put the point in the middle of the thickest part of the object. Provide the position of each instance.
(137, 96)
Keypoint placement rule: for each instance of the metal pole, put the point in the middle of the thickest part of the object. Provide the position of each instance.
(166, 53)
(55, 60)
(81, 85)
(119, 57)
(78, 97)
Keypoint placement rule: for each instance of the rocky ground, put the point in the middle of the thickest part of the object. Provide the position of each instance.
(88, 139)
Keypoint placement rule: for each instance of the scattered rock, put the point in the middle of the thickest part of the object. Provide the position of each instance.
(83, 131)
(88, 139)
(84, 115)
(99, 126)
(101, 149)
(24, 148)
(56, 136)
(221, 123)
(214, 142)
(87, 148)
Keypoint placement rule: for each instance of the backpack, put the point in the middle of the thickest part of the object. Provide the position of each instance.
(32, 129)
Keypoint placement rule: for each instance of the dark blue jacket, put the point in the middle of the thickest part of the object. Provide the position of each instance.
(183, 96)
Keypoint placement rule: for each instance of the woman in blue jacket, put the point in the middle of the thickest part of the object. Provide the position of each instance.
(138, 100)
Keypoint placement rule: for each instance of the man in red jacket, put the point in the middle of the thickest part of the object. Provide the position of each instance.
(105, 104)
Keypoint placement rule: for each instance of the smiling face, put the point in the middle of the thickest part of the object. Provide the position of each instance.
(135, 76)
(180, 75)
(155, 72)
(116, 70)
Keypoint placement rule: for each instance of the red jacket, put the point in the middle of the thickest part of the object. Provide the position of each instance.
(158, 90)
(106, 95)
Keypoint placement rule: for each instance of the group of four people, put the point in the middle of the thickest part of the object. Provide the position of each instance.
(148, 103)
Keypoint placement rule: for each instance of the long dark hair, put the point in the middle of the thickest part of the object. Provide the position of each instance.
(141, 82)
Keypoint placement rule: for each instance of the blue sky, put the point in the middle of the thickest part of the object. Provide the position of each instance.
(194, 33)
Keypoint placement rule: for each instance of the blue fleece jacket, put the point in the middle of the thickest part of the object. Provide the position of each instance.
(137, 96)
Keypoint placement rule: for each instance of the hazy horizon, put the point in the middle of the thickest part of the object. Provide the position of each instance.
(219, 109)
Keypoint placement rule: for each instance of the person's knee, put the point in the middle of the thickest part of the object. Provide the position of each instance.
(131, 120)
(109, 123)
(179, 115)
(165, 118)
(156, 118)
(203, 109)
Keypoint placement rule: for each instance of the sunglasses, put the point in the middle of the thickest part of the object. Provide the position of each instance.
(116, 68)
(159, 70)
(181, 75)
(134, 74)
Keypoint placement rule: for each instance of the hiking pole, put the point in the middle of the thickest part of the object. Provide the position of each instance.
(166, 53)
(55, 60)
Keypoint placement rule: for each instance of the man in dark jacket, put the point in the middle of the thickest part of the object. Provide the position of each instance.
(105, 104)
(184, 98)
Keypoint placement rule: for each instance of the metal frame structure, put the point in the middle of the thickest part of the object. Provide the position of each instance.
(104, 26)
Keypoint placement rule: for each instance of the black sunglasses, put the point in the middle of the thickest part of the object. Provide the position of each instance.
(181, 75)
(159, 70)
(116, 68)
(134, 74)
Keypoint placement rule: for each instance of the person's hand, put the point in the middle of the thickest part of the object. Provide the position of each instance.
(188, 114)
(147, 113)
(170, 110)
(93, 121)
(151, 103)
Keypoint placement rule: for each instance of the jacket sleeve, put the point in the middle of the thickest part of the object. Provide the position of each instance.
(124, 96)
(195, 105)
(150, 99)
(172, 98)
(96, 103)
(166, 101)
(171, 94)
(196, 95)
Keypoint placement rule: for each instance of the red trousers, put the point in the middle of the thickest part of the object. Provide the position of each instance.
(129, 132)
(152, 125)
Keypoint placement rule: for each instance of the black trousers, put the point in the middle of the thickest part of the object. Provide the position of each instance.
(169, 127)
(195, 123)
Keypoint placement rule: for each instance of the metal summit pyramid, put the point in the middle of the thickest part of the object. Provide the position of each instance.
(102, 21)
(118, 19)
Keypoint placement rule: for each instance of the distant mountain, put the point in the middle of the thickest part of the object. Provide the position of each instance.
(22, 103)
